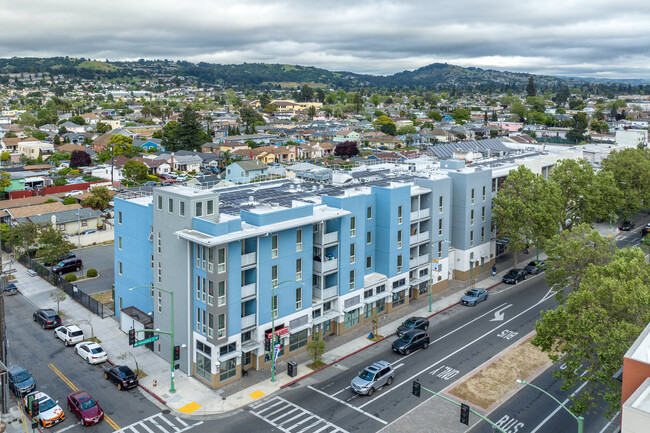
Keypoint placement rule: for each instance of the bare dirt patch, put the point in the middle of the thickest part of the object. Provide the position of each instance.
(105, 298)
(496, 379)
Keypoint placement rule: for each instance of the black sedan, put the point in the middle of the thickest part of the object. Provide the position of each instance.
(47, 318)
(535, 267)
(514, 276)
(122, 376)
(410, 341)
(626, 226)
(413, 323)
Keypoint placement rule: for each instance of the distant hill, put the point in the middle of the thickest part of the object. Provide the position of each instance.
(262, 75)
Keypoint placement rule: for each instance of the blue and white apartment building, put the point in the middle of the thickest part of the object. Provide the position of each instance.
(319, 257)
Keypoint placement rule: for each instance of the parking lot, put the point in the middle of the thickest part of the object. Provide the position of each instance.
(98, 257)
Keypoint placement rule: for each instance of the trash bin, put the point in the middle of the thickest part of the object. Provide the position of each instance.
(292, 369)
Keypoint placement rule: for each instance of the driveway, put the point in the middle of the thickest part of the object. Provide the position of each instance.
(98, 257)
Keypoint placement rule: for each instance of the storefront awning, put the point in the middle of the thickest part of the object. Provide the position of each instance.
(353, 307)
(325, 317)
(229, 355)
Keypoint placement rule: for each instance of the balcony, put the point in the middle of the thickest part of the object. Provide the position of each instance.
(248, 321)
(325, 294)
(326, 239)
(419, 214)
(248, 259)
(326, 266)
(418, 261)
(248, 290)
(419, 238)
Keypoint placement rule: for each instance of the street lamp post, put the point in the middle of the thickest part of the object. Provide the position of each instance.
(579, 419)
(171, 333)
(272, 353)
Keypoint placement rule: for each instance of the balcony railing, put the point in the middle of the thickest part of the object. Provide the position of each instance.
(326, 239)
(248, 259)
(248, 321)
(325, 294)
(419, 214)
(326, 266)
(248, 290)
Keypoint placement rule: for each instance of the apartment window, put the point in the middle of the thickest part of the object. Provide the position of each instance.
(274, 246)
(199, 208)
(203, 256)
(152, 291)
(298, 240)
(368, 262)
(84, 223)
(352, 255)
(369, 212)
(198, 288)
(297, 340)
(471, 238)
(221, 325)
(274, 275)
(353, 226)
(352, 280)
(299, 269)
(298, 298)
(482, 234)
(120, 268)
(119, 242)
(198, 319)
(483, 214)
(221, 260)
(440, 204)
(160, 199)
(181, 208)
(471, 217)
(399, 263)
(210, 260)
(439, 250)
(210, 325)
(483, 192)
(210, 292)
(367, 311)
(210, 205)
(198, 256)
(228, 369)
(152, 262)
(159, 301)
(399, 214)
(159, 243)
(473, 195)
(440, 227)
(221, 293)
(204, 322)
(274, 306)
(119, 217)
(399, 239)
(351, 318)
(203, 291)
(368, 237)
(159, 272)
(380, 305)
(170, 205)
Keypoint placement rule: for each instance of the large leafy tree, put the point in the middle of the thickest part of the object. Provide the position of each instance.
(52, 243)
(530, 87)
(386, 125)
(577, 131)
(591, 331)
(22, 236)
(79, 158)
(170, 140)
(135, 171)
(630, 169)
(98, 199)
(347, 148)
(190, 133)
(250, 117)
(5, 180)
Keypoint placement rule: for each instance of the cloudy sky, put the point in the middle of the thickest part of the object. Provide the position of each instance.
(587, 38)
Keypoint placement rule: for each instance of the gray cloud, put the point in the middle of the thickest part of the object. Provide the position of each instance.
(578, 38)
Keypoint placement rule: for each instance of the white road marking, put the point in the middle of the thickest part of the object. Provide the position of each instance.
(358, 409)
(338, 392)
(289, 409)
(155, 421)
(558, 408)
(69, 427)
(468, 323)
(610, 422)
(398, 366)
(499, 315)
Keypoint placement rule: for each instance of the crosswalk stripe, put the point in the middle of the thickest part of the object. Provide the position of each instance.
(161, 428)
(155, 422)
(283, 417)
(180, 420)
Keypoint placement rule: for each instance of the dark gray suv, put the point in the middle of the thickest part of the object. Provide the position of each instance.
(20, 381)
(373, 377)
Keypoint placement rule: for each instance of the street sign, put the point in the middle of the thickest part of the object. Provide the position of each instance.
(146, 340)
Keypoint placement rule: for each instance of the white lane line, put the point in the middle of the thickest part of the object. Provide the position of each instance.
(610, 422)
(470, 322)
(180, 420)
(338, 392)
(410, 379)
(348, 405)
(69, 427)
(559, 407)
(171, 424)
(398, 366)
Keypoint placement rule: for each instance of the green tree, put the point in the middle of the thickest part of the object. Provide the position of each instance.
(69, 200)
(461, 115)
(580, 123)
(99, 198)
(386, 125)
(5, 180)
(52, 243)
(120, 144)
(250, 117)
(170, 140)
(316, 349)
(78, 120)
(265, 100)
(435, 115)
(530, 87)
(311, 111)
(596, 325)
(190, 132)
(135, 171)
(306, 93)
(5, 157)
(630, 169)
(409, 129)
(102, 128)
(519, 109)
(20, 237)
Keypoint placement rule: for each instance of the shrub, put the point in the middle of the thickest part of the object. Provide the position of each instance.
(92, 273)
(71, 278)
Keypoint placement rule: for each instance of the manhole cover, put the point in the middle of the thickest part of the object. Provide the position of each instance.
(166, 411)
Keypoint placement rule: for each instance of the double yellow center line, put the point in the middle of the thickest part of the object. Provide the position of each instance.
(74, 388)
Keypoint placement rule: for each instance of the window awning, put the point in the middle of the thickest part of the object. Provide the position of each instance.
(377, 297)
(353, 307)
(249, 346)
(325, 317)
(229, 355)
(300, 328)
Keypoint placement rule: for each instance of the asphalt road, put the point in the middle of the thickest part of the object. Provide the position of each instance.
(98, 257)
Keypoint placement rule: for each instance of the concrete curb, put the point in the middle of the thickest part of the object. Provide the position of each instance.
(144, 388)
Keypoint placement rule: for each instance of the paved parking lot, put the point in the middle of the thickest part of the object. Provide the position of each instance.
(98, 257)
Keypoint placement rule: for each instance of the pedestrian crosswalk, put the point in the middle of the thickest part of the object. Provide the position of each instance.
(159, 423)
(290, 418)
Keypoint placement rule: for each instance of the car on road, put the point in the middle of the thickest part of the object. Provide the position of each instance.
(47, 318)
(84, 407)
(373, 377)
(182, 178)
(59, 259)
(645, 230)
(70, 334)
(413, 323)
(92, 352)
(11, 289)
(626, 226)
(68, 265)
(122, 376)
(514, 276)
(150, 183)
(20, 381)
(49, 411)
(411, 341)
(473, 297)
(535, 267)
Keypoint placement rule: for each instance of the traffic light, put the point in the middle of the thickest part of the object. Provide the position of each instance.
(131, 337)
(177, 353)
(35, 408)
(416, 388)
(464, 414)
(267, 344)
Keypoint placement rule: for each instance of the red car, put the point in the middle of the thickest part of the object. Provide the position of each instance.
(85, 408)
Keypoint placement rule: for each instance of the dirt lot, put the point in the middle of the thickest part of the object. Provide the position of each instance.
(496, 379)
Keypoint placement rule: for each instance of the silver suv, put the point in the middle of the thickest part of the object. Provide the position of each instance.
(373, 377)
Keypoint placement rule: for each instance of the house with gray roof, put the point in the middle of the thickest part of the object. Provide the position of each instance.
(71, 222)
(245, 171)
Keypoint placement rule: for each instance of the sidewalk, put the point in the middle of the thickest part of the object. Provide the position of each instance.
(191, 396)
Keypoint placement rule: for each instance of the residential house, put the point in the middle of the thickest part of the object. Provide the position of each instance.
(149, 145)
(91, 118)
(39, 209)
(69, 221)
(184, 163)
(33, 148)
(245, 171)
(73, 127)
(346, 135)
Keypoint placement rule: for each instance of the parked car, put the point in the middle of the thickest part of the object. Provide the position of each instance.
(59, 259)
(49, 411)
(514, 276)
(83, 406)
(535, 267)
(413, 323)
(11, 289)
(70, 334)
(122, 376)
(89, 231)
(373, 377)
(92, 352)
(47, 318)
(20, 381)
(473, 297)
(150, 183)
(68, 265)
(410, 341)
(626, 226)
(645, 230)
(73, 193)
